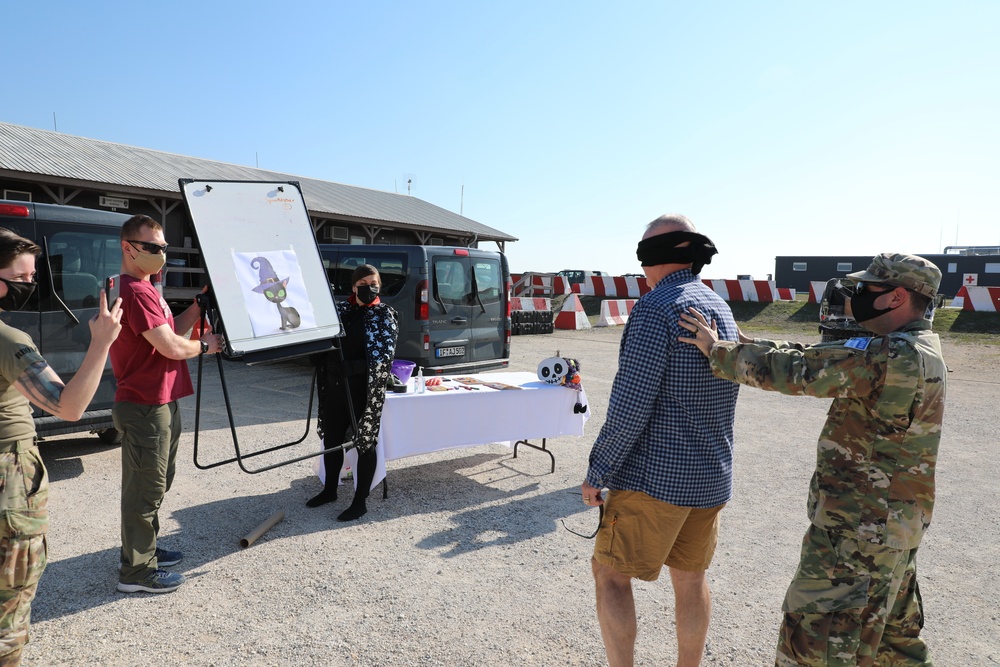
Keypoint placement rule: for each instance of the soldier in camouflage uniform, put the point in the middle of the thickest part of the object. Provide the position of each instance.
(855, 599)
(24, 484)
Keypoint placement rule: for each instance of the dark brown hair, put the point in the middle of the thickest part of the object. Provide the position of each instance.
(132, 226)
(919, 302)
(13, 246)
(364, 271)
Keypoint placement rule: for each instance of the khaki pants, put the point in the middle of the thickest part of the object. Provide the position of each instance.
(640, 534)
(24, 521)
(150, 435)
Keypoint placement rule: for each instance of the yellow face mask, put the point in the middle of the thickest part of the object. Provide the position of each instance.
(150, 263)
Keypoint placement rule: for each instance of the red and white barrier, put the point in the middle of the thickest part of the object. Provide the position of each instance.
(632, 287)
(744, 290)
(977, 299)
(572, 315)
(541, 283)
(816, 289)
(559, 285)
(530, 303)
(615, 312)
(613, 286)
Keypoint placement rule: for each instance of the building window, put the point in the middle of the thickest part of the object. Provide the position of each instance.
(845, 266)
(17, 195)
(799, 266)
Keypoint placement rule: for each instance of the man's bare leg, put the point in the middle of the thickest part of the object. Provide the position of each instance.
(692, 609)
(616, 613)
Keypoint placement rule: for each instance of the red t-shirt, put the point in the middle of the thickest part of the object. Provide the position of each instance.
(144, 375)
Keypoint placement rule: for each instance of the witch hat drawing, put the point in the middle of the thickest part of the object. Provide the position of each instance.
(266, 273)
(273, 290)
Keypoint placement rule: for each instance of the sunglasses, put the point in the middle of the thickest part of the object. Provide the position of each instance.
(849, 291)
(151, 248)
(600, 520)
(863, 287)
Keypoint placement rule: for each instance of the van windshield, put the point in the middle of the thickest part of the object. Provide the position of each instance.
(391, 267)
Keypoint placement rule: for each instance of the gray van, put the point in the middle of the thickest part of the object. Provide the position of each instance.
(453, 303)
(80, 249)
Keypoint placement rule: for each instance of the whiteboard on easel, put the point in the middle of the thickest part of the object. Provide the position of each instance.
(270, 288)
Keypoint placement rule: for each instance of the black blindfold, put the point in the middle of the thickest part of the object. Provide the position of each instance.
(662, 249)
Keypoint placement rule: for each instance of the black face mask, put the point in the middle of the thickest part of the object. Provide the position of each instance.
(863, 306)
(17, 294)
(367, 293)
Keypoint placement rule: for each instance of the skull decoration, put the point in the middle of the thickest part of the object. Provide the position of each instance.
(565, 372)
(552, 370)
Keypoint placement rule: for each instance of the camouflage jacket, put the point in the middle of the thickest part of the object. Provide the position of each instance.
(874, 478)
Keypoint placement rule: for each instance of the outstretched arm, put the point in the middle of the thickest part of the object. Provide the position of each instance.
(789, 368)
(173, 346)
(41, 386)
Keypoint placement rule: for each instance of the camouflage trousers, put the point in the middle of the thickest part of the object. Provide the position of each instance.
(852, 604)
(24, 495)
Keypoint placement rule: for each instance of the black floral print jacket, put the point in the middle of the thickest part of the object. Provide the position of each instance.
(381, 332)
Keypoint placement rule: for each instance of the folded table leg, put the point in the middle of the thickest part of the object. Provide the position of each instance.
(541, 448)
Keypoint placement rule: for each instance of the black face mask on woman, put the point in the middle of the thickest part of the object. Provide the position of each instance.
(367, 293)
(17, 294)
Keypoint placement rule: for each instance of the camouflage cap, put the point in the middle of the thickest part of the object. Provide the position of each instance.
(909, 271)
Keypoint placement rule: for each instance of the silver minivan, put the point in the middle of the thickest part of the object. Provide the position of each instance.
(453, 303)
(81, 248)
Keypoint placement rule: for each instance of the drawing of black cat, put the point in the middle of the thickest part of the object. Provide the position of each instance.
(275, 291)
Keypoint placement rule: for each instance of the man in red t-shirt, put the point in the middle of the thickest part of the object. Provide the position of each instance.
(149, 361)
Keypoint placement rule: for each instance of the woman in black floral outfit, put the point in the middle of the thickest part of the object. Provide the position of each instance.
(369, 344)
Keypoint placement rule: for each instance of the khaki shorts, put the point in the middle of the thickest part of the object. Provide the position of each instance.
(640, 534)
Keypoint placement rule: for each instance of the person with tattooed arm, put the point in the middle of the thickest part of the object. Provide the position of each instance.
(25, 378)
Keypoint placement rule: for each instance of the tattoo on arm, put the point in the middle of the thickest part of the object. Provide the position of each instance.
(40, 384)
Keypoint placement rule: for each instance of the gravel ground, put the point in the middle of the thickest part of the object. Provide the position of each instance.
(467, 563)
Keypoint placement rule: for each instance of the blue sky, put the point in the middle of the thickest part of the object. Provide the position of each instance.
(779, 128)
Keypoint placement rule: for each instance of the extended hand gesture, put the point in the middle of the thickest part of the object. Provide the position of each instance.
(105, 325)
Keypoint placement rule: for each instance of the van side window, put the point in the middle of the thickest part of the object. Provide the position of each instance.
(392, 267)
(80, 262)
(451, 282)
(488, 279)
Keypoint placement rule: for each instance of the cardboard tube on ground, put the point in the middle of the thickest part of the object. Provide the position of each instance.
(253, 535)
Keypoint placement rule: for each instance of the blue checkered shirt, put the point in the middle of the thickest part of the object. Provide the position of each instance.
(669, 430)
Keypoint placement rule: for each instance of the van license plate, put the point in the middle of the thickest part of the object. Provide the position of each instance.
(458, 351)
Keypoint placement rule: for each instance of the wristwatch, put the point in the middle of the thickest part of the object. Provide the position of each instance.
(204, 346)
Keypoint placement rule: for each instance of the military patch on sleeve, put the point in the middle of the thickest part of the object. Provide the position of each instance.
(858, 343)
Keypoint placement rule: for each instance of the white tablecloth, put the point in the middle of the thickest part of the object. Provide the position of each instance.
(414, 424)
